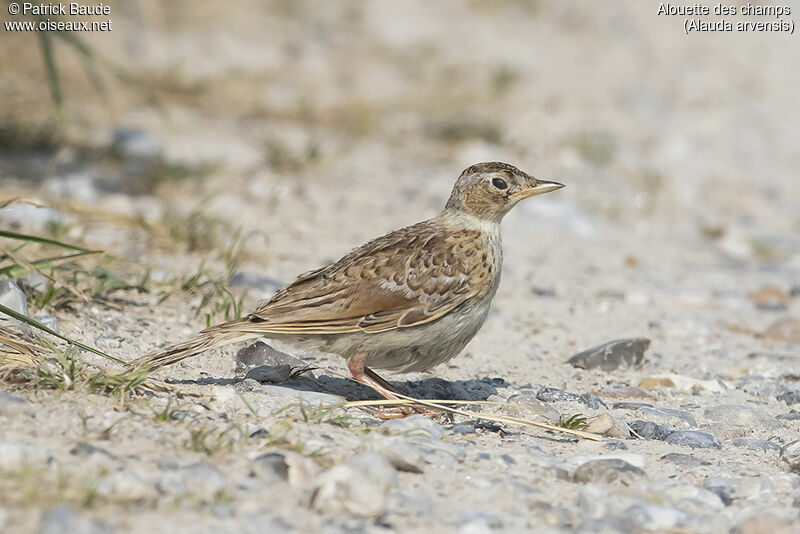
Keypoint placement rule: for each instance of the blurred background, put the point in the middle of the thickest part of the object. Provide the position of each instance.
(310, 127)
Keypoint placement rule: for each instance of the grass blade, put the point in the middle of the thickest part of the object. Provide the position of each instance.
(36, 324)
(42, 240)
(15, 271)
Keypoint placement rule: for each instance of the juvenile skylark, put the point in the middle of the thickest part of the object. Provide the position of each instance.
(407, 301)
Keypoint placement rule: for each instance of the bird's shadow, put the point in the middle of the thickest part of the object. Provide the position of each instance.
(428, 388)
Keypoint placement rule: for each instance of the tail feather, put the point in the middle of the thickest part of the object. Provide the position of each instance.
(219, 336)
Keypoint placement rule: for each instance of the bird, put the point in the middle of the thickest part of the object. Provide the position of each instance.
(407, 301)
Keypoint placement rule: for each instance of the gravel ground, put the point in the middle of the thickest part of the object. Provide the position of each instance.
(320, 125)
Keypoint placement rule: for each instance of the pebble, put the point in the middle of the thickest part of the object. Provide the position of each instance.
(790, 453)
(785, 329)
(756, 444)
(683, 383)
(684, 460)
(694, 439)
(557, 395)
(14, 405)
(654, 517)
(271, 466)
(357, 488)
(669, 416)
(651, 430)
(274, 374)
(259, 353)
(402, 453)
(35, 281)
(766, 524)
(741, 415)
(608, 471)
(620, 353)
(65, 521)
(202, 480)
(415, 425)
(11, 296)
(126, 485)
(790, 395)
(769, 298)
(695, 499)
(49, 321)
(527, 402)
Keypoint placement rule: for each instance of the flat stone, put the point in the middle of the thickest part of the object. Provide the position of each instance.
(259, 353)
(356, 488)
(608, 471)
(790, 453)
(694, 439)
(65, 521)
(756, 444)
(684, 460)
(14, 405)
(742, 415)
(652, 517)
(557, 395)
(620, 353)
(272, 374)
(11, 296)
(314, 398)
(415, 425)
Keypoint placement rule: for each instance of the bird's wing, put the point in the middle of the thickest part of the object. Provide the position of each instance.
(407, 278)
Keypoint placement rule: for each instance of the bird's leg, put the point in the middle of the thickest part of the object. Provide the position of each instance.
(368, 377)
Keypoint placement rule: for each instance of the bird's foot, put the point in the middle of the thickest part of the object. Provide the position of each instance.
(401, 411)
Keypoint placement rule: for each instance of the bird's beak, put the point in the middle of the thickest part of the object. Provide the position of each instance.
(541, 187)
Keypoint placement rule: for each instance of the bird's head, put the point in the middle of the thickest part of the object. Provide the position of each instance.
(489, 190)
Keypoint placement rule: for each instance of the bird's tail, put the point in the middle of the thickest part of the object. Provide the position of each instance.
(217, 336)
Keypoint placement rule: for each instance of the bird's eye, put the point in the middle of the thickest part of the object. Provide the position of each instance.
(499, 183)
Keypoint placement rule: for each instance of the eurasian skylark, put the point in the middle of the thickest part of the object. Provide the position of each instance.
(407, 301)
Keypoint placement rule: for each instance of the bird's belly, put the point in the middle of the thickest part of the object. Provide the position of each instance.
(423, 347)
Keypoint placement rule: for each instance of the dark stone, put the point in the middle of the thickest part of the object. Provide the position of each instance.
(694, 439)
(755, 443)
(620, 353)
(651, 430)
(790, 396)
(259, 353)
